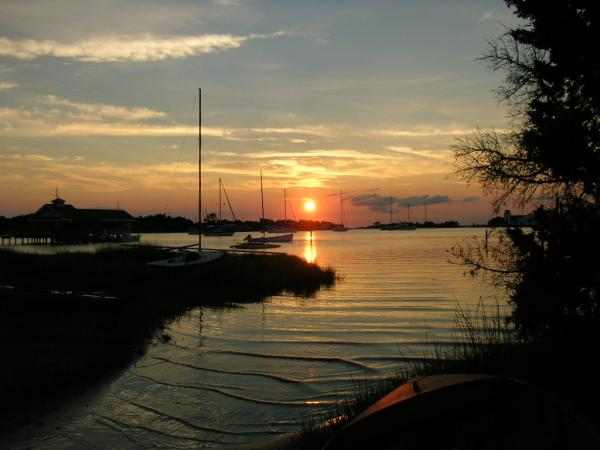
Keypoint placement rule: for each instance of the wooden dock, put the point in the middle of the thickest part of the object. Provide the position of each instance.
(24, 239)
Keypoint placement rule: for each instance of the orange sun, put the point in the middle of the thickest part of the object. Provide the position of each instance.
(309, 205)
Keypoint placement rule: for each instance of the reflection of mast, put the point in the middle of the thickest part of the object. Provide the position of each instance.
(200, 326)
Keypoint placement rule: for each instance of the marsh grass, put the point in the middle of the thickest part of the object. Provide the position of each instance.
(47, 345)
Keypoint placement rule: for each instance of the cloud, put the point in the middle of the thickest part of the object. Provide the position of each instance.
(423, 132)
(100, 110)
(41, 171)
(228, 2)
(138, 48)
(421, 154)
(29, 157)
(486, 16)
(471, 199)
(380, 203)
(6, 85)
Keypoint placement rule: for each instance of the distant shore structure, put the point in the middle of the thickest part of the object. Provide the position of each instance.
(63, 223)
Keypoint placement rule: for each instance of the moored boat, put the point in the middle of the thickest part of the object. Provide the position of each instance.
(185, 256)
(279, 238)
(254, 245)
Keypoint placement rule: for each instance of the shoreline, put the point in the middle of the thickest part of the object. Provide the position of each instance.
(52, 346)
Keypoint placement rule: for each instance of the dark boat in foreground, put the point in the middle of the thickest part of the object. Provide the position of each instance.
(467, 412)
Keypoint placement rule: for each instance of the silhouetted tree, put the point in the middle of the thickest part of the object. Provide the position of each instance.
(552, 89)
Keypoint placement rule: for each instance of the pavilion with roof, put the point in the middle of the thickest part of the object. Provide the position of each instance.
(67, 224)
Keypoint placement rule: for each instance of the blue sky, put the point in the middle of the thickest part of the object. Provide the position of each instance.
(98, 99)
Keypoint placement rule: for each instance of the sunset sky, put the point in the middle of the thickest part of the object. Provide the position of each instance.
(98, 99)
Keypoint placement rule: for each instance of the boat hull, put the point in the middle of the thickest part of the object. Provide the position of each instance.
(255, 245)
(188, 259)
(280, 238)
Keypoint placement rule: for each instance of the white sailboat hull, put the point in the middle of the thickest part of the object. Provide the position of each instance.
(188, 259)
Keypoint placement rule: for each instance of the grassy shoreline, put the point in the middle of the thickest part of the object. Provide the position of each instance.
(49, 346)
(481, 344)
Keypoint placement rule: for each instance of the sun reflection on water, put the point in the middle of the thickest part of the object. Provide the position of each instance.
(310, 248)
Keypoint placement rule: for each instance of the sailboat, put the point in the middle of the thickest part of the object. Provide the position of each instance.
(263, 242)
(219, 229)
(397, 226)
(341, 226)
(283, 228)
(186, 256)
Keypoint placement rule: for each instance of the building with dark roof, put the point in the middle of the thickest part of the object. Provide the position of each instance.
(67, 224)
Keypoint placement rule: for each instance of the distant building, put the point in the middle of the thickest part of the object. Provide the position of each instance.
(513, 220)
(67, 224)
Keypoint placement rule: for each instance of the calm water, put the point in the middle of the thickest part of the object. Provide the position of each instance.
(249, 373)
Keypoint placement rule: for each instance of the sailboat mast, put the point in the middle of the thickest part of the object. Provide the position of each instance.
(391, 218)
(199, 170)
(220, 202)
(341, 209)
(284, 206)
(262, 201)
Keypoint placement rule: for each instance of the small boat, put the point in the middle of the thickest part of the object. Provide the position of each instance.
(264, 241)
(397, 226)
(254, 245)
(127, 238)
(282, 227)
(340, 226)
(188, 258)
(467, 411)
(279, 238)
(217, 230)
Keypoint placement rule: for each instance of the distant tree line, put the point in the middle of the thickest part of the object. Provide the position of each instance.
(161, 223)
(427, 224)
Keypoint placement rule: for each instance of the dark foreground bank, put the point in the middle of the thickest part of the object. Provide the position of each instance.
(51, 342)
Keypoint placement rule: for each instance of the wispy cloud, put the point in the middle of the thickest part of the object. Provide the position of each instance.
(486, 16)
(423, 132)
(26, 157)
(7, 85)
(138, 48)
(471, 199)
(42, 171)
(420, 154)
(228, 2)
(100, 110)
